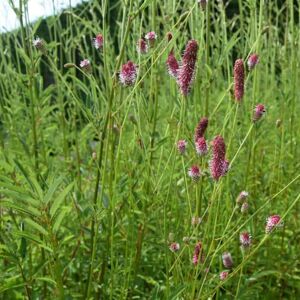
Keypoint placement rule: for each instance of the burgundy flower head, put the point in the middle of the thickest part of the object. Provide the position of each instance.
(244, 208)
(85, 65)
(224, 275)
(151, 37)
(245, 239)
(194, 172)
(242, 197)
(98, 41)
(198, 254)
(259, 111)
(239, 78)
(201, 128)
(219, 164)
(172, 64)
(128, 74)
(181, 146)
(273, 222)
(201, 146)
(142, 46)
(174, 247)
(253, 60)
(187, 68)
(227, 260)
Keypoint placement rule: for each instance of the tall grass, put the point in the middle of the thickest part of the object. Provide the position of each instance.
(92, 188)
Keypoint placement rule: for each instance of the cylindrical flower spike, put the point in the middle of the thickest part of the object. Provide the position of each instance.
(181, 146)
(224, 275)
(239, 78)
(219, 164)
(242, 197)
(201, 146)
(128, 73)
(273, 222)
(201, 128)
(151, 37)
(98, 41)
(186, 72)
(142, 46)
(195, 173)
(253, 60)
(172, 64)
(198, 255)
(244, 208)
(259, 111)
(174, 247)
(245, 239)
(227, 260)
(85, 65)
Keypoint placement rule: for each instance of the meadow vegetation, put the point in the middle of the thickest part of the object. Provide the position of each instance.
(151, 180)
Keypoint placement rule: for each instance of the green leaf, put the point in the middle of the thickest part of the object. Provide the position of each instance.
(32, 238)
(36, 226)
(58, 201)
(52, 189)
(20, 208)
(60, 216)
(46, 279)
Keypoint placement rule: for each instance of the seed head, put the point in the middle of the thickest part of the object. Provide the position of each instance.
(273, 222)
(181, 146)
(242, 197)
(128, 73)
(201, 128)
(245, 239)
(194, 172)
(85, 65)
(227, 260)
(174, 247)
(259, 111)
(253, 60)
(239, 77)
(172, 64)
(224, 275)
(201, 146)
(186, 72)
(98, 41)
(142, 46)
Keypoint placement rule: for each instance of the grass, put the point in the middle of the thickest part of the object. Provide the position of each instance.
(92, 187)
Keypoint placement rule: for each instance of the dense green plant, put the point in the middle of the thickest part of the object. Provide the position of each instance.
(92, 187)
